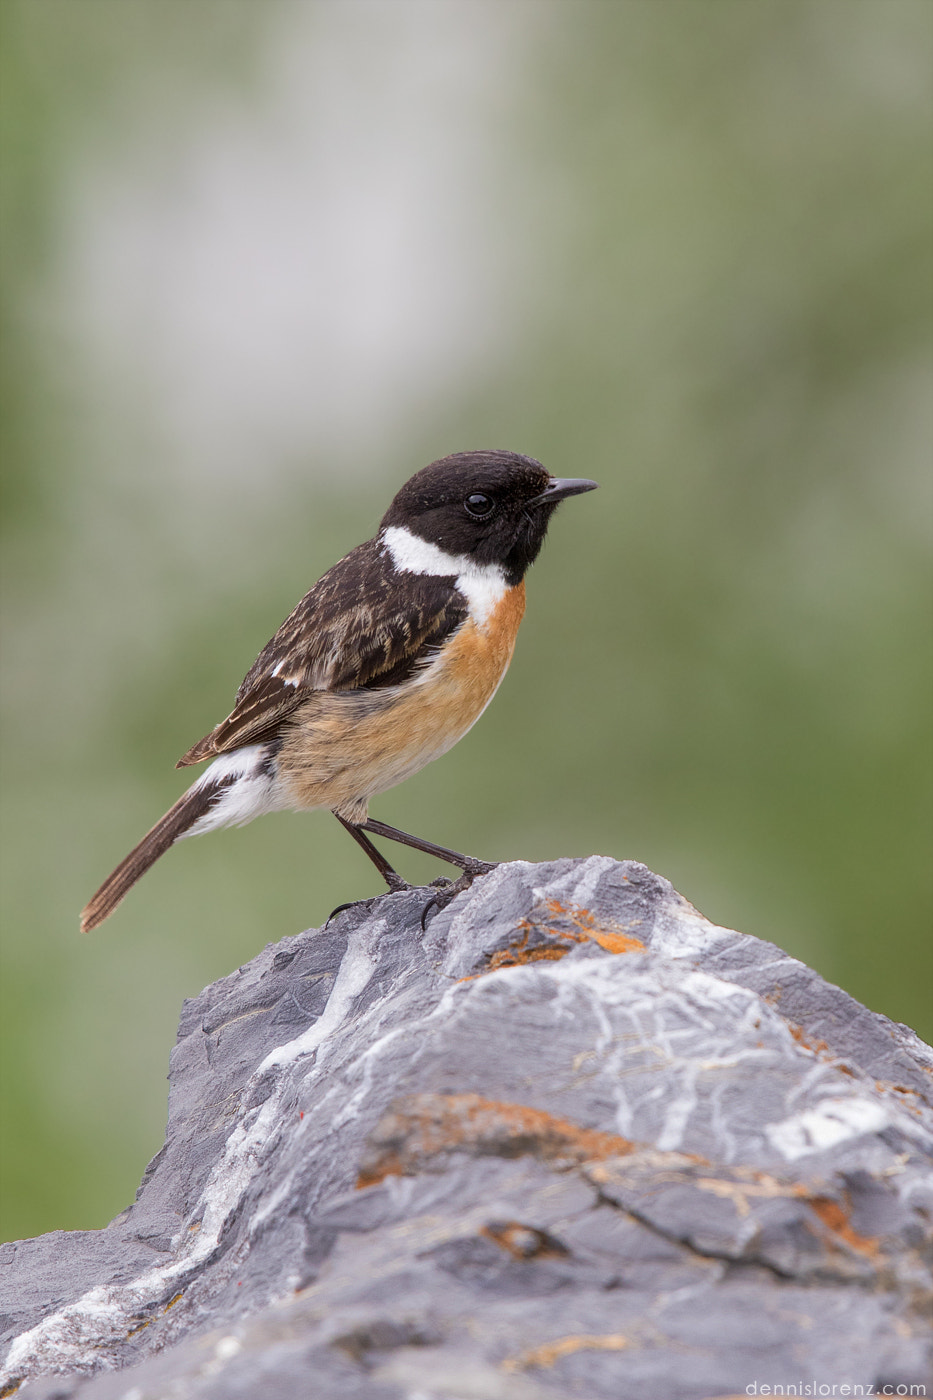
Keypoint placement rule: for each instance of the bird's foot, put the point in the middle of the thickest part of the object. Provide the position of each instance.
(350, 904)
(396, 886)
(448, 890)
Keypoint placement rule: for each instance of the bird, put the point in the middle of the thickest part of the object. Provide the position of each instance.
(381, 668)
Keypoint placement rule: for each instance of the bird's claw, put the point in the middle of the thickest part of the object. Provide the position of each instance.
(449, 889)
(446, 891)
(397, 886)
(350, 904)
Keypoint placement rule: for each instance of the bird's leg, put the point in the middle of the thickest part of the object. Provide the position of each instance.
(392, 878)
(468, 864)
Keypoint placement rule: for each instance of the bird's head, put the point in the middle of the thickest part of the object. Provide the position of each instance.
(491, 507)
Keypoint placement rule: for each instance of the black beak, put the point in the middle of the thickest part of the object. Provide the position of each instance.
(559, 487)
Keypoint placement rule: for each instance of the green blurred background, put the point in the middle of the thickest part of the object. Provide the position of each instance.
(261, 262)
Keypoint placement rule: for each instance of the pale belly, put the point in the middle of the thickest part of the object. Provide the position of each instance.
(343, 747)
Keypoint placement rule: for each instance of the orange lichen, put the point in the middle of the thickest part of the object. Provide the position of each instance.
(523, 1241)
(834, 1217)
(610, 936)
(568, 925)
(818, 1047)
(517, 953)
(423, 1126)
(617, 942)
(549, 1352)
(823, 1052)
(748, 1185)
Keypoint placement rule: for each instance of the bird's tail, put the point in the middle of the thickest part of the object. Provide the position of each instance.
(177, 822)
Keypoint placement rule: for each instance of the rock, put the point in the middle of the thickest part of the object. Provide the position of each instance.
(571, 1140)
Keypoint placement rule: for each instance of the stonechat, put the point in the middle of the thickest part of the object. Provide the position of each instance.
(382, 667)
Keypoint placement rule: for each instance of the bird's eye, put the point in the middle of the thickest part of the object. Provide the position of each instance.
(479, 505)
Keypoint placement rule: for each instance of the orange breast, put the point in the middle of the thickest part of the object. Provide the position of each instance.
(344, 747)
(474, 662)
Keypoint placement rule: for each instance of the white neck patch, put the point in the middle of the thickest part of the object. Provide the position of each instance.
(483, 585)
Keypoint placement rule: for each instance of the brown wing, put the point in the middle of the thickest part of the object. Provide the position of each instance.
(362, 625)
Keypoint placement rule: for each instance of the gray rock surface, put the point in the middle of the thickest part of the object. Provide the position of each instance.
(573, 1140)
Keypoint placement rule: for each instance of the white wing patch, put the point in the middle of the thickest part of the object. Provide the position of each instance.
(483, 585)
(286, 680)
